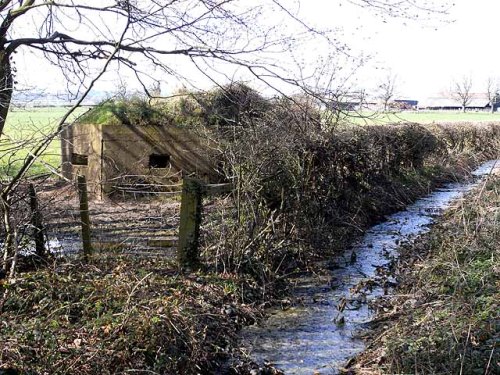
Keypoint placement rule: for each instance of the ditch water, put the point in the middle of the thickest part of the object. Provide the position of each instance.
(323, 332)
(54, 245)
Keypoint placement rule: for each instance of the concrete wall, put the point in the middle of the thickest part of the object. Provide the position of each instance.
(77, 142)
(120, 154)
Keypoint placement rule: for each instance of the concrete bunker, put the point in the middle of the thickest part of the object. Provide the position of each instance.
(117, 154)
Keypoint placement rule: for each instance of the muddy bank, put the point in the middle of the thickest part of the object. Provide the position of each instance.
(323, 331)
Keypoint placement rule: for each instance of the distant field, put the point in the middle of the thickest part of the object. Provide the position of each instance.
(425, 117)
(24, 130)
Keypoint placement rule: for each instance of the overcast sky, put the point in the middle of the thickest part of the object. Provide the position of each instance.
(426, 56)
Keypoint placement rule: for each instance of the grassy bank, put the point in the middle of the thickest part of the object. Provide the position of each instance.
(445, 316)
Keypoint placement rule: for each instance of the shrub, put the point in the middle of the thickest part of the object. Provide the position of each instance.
(235, 104)
(301, 190)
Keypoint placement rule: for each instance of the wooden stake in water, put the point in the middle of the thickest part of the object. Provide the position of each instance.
(84, 216)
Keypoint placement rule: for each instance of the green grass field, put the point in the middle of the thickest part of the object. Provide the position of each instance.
(24, 130)
(425, 117)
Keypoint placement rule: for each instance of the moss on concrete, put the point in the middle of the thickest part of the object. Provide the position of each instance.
(127, 111)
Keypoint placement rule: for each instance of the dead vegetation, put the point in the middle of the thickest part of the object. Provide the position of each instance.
(119, 314)
(303, 194)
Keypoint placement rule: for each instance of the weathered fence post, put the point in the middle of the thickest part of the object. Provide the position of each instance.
(189, 228)
(36, 222)
(84, 216)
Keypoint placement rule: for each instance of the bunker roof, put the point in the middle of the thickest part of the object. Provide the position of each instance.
(127, 112)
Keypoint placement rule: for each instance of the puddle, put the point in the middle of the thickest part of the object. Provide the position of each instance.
(322, 334)
(55, 246)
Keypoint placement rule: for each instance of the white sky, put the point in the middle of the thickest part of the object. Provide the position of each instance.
(426, 57)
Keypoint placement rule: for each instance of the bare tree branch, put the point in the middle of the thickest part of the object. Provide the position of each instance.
(462, 91)
(71, 34)
(387, 89)
(492, 91)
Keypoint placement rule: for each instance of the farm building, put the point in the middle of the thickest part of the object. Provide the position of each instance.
(478, 102)
(119, 155)
(405, 103)
(353, 101)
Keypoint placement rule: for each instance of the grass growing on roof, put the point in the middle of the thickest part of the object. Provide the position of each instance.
(136, 111)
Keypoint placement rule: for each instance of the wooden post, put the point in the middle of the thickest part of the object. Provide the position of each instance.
(36, 222)
(189, 229)
(84, 216)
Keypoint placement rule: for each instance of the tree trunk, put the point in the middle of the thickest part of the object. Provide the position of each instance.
(5, 97)
(8, 244)
(5, 87)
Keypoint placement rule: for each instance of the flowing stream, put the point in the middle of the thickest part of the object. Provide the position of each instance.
(323, 332)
